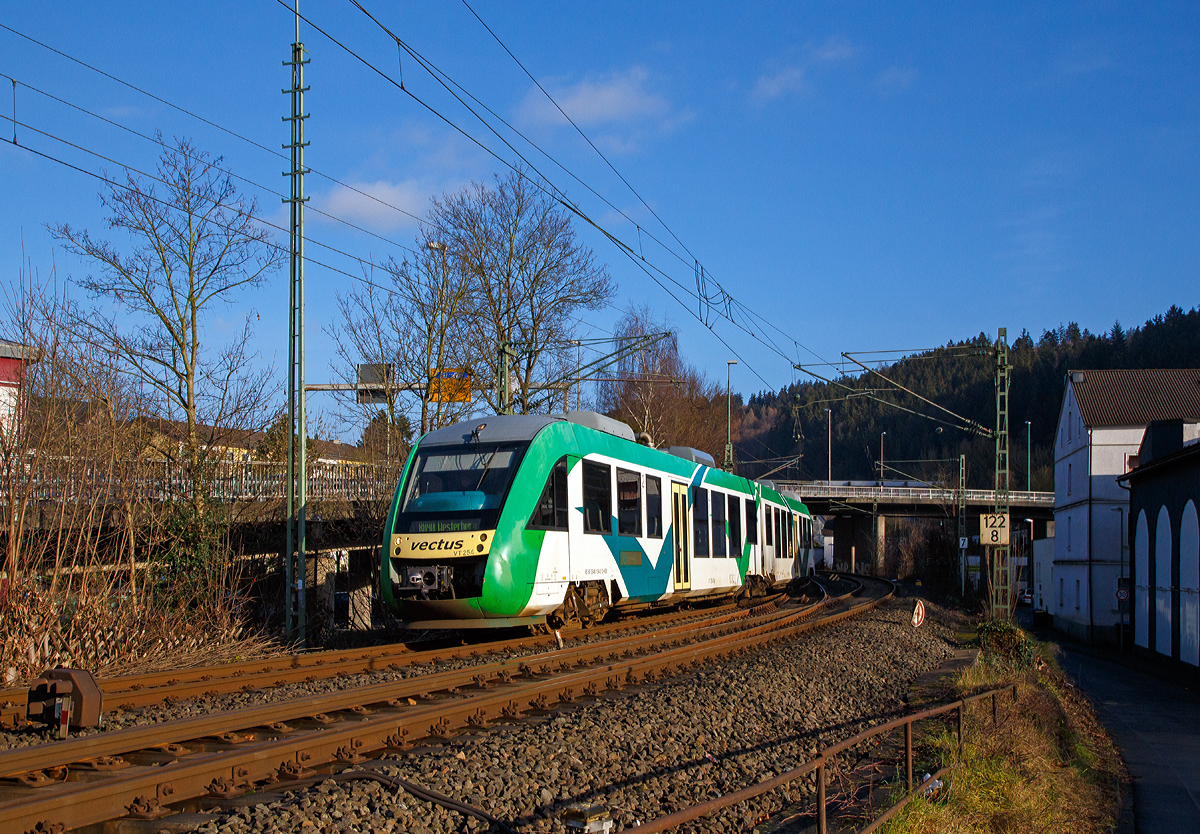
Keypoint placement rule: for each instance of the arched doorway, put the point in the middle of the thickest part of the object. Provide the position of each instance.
(1162, 582)
(1189, 586)
(1141, 582)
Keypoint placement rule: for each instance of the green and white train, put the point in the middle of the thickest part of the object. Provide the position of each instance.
(553, 520)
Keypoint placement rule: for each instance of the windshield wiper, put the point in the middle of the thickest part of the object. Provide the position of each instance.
(486, 467)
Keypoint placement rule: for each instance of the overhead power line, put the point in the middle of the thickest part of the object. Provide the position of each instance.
(206, 121)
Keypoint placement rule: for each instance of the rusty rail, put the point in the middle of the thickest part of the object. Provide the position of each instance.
(146, 769)
(149, 688)
(819, 764)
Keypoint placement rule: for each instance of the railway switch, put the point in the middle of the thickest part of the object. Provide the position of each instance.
(65, 699)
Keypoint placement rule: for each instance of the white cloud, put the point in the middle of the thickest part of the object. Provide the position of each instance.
(788, 80)
(794, 78)
(375, 208)
(833, 51)
(895, 80)
(616, 98)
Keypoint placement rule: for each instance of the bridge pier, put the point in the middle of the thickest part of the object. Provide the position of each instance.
(858, 543)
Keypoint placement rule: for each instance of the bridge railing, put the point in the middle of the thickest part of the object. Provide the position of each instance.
(909, 494)
(72, 480)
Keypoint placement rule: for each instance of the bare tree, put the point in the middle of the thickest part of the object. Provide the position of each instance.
(194, 242)
(416, 320)
(657, 392)
(530, 275)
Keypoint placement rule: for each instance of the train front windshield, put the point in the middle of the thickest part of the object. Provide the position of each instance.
(458, 487)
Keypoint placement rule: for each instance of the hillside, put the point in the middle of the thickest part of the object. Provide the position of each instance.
(792, 422)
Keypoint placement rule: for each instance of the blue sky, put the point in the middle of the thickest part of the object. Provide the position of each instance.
(864, 176)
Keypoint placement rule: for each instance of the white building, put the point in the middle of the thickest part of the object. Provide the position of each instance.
(1100, 426)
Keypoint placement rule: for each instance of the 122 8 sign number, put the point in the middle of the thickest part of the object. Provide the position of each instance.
(993, 528)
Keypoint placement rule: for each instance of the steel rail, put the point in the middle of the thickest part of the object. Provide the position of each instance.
(147, 688)
(139, 789)
(22, 760)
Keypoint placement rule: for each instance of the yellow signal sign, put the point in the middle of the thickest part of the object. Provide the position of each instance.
(450, 385)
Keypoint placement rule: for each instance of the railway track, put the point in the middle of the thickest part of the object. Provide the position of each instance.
(127, 692)
(147, 772)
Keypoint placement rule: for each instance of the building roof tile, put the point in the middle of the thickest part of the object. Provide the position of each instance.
(1136, 397)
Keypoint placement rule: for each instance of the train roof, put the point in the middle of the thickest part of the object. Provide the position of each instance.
(500, 428)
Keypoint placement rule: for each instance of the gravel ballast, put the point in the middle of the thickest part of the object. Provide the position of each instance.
(649, 751)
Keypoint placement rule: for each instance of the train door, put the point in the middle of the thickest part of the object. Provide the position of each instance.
(682, 536)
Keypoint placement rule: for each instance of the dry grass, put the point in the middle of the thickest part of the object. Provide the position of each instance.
(1048, 765)
(108, 634)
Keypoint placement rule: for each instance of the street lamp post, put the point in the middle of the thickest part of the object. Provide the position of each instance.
(729, 415)
(829, 452)
(881, 434)
(1028, 457)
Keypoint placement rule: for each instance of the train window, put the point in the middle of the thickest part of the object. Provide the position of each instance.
(597, 497)
(767, 527)
(446, 479)
(791, 534)
(700, 521)
(779, 541)
(718, 524)
(735, 527)
(654, 508)
(751, 522)
(551, 510)
(629, 503)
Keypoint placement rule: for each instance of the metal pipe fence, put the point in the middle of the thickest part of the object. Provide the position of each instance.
(821, 763)
(907, 494)
(72, 480)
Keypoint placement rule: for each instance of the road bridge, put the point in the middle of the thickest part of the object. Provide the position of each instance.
(857, 512)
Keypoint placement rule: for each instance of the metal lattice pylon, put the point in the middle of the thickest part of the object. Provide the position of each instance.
(1001, 576)
(297, 476)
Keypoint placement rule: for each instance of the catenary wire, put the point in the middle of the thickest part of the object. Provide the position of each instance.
(206, 121)
(213, 165)
(569, 205)
(613, 168)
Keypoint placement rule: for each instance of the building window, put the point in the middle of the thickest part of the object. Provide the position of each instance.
(551, 510)
(654, 508)
(1076, 594)
(1061, 592)
(700, 521)
(718, 524)
(597, 497)
(1068, 479)
(629, 503)
(1068, 532)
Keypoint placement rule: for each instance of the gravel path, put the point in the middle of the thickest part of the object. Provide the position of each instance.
(648, 752)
